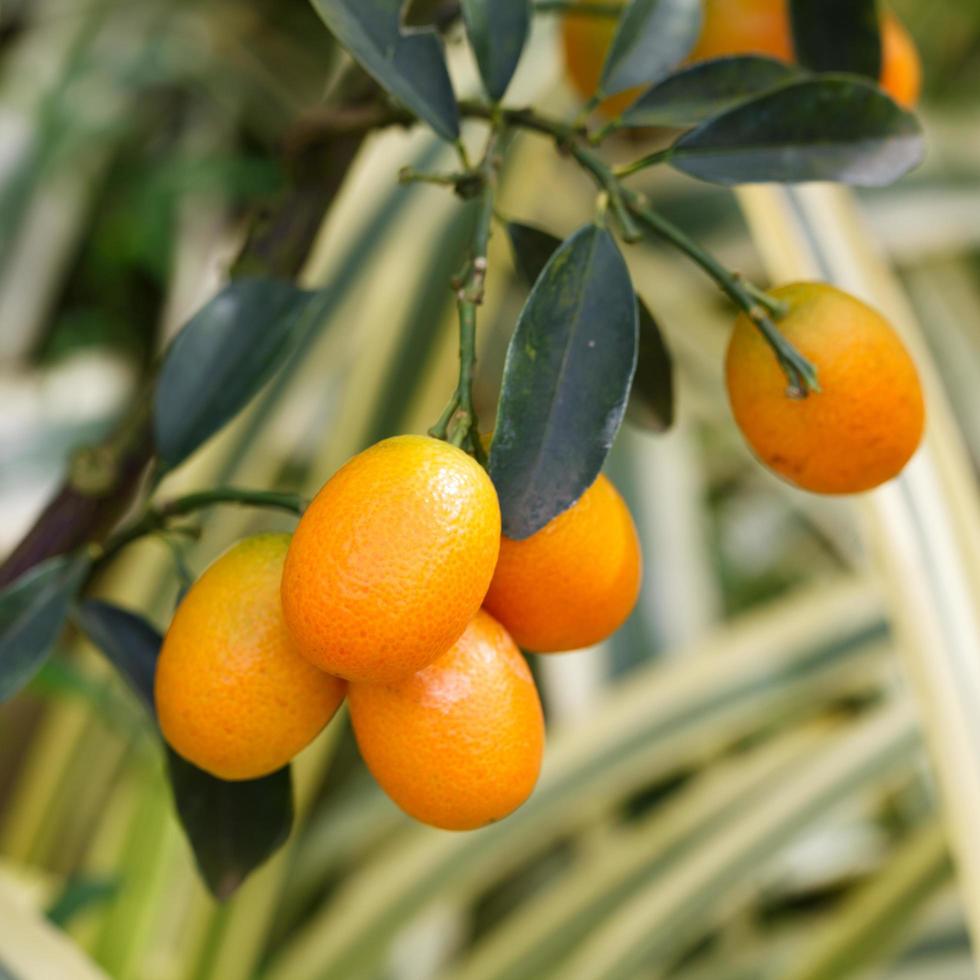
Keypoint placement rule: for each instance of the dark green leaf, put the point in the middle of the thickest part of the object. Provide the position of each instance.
(566, 382)
(220, 359)
(706, 88)
(837, 35)
(232, 827)
(652, 38)
(828, 128)
(130, 642)
(32, 612)
(407, 63)
(651, 404)
(440, 14)
(497, 30)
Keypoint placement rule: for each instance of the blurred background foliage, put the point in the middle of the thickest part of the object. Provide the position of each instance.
(734, 785)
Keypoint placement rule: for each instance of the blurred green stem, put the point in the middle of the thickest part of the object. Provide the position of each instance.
(799, 371)
(585, 9)
(661, 156)
(458, 422)
(158, 518)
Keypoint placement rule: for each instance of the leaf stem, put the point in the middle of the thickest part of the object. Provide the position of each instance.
(409, 176)
(609, 9)
(661, 156)
(158, 518)
(776, 307)
(459, 423)
(800, 372)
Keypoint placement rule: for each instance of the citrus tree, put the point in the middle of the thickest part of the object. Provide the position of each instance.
(377, 595)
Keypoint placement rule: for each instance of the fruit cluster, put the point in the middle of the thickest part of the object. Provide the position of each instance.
(377, 596)
(398, 590)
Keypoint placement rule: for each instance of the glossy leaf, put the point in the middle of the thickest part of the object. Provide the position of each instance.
(498, 31)
(706, 88)
(566, 382)
(130, 642)
(232, 827)
(651, 403)
(409, 64)
(652, 38)
(220, 359)
(829, 128)
(33, 610)
(837, 35)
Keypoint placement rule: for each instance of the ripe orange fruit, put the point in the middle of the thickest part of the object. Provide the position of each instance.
(867, 420)
(586, 41)
(763, 27)
(391, 560)
(232, 694)
(459, 744)
(573, 582)
(744, 27)
(901, 67)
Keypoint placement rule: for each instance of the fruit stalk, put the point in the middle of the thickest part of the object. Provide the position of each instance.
(609, 9)
(802, 375)
(458, 422)
(158, 518)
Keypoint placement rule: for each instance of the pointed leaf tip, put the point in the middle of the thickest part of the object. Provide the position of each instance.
(653, 37)
(408, 64)
(498, 31)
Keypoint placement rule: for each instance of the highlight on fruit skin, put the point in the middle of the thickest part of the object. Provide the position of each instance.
(574, 582)
(459, 744)
(391, 560)
(732, 27)
(232, 694)
(867, 420)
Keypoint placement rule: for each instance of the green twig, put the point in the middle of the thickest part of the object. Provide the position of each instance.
(441, 427)
(776, 307)
(409, 176)
(801, 373)
(586, 111)
(609, 9)
(158, 518)
(661, 156)
(458, 422)
(600, 134)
